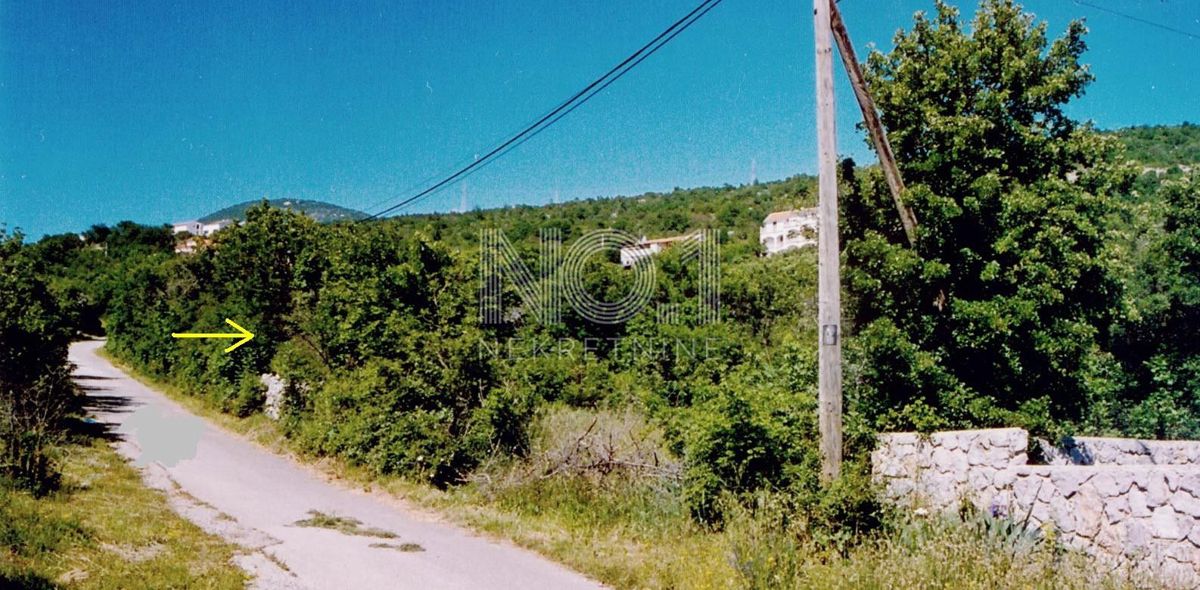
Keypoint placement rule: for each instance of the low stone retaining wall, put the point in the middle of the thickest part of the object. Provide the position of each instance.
(1121, 451)
(1130, 503)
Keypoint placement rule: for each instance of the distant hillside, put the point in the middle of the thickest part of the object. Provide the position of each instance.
(1162, 145)
(319, 210)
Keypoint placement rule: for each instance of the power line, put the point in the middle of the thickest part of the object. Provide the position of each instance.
(564, 108)
(1140, 20)
(596, 91)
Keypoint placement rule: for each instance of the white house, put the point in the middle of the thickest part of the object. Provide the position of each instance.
(646, 248)
(785, 230)
(191, 227)
(209, 229)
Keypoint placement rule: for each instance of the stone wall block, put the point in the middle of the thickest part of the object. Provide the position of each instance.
(1139, 506)
(1017, 439)
(1106, 484)
(1137, 537)
(1089, 512)
(943, 460)
(1175, 574)
(1040, 513)
(1117, 509)
(899, 439)
(977, 455)
(1194, 536)
(1025, 491)
(1062, 512)
(980, 478)
(1185, 503)
(1165, 525)
(1185, 523)
(1157, 490)
(1046, 491)
(960, 476)
(1068, 480)
(998, 456)
(1004, 478)
(1111, 538)
(1190, 482)
(1182, 552)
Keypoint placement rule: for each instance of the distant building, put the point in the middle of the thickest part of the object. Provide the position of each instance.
(646, 248)
(786, 230)
(191, 227)
(211, 228)
(197, 228)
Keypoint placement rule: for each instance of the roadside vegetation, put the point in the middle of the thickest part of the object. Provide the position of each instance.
(72, 513)
(104, 530)
(1054, 286)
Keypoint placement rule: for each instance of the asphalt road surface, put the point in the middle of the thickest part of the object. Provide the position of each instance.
(254, 497)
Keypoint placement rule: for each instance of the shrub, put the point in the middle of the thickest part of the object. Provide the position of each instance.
(36, 394)
(389, 416)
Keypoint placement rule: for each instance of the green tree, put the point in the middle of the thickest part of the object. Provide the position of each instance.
(1000, 313)
(36, 394)
(1159, 346)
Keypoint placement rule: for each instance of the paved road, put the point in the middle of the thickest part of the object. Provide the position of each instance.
(254, 497)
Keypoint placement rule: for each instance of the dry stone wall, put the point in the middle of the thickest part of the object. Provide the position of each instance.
(1121, 451)
(1130, 503)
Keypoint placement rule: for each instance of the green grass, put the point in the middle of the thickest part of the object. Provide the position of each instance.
(105, 530)
(635, 532)
(630, 535)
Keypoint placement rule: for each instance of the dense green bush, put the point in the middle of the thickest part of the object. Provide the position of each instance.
(36, 394)
(997, 314)
(1158, 344)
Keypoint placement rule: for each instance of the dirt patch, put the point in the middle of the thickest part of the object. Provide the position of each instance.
(342, 524)
(134, 554)
(402, 547)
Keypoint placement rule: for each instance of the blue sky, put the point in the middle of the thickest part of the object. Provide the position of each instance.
(161, 111)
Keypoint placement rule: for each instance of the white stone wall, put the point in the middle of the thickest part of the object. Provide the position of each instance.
(1085, 450)
(946, 467)
(1140, 515)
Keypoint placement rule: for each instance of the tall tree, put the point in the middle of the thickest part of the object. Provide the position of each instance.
(999, 314)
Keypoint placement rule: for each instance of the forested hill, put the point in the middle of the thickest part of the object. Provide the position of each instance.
(738, 211)
(1162, 145)
(321, 211)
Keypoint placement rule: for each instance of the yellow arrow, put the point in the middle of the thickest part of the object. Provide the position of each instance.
(243, 333)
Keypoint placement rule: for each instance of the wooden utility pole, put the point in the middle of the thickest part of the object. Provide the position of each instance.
(879, 138)
(829, 297)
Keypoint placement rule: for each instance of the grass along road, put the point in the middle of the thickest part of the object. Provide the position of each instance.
(104, 529)
(266, 503)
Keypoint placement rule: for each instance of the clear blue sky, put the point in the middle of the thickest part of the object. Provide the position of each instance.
(159, 111)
